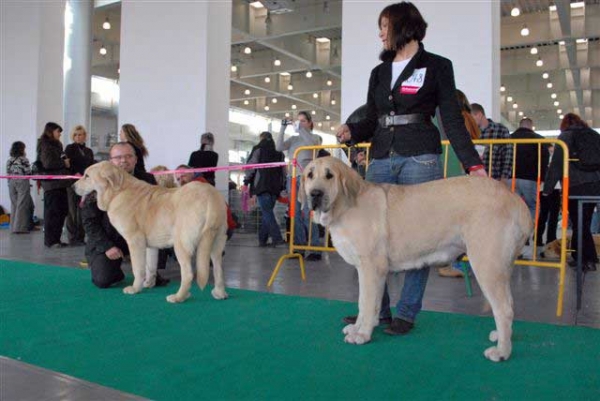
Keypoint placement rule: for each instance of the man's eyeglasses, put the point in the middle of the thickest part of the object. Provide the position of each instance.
(122, 157)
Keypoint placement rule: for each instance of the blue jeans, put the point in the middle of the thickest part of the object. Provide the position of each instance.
(527, 189)
(405, 170)
(302, 220)
(268, 224)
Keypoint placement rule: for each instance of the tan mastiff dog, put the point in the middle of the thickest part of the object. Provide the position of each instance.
(380, 228)
(191, 219)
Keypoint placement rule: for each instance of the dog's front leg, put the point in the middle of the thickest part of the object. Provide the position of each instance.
(151, 265)
(371, 282)
(137, 248)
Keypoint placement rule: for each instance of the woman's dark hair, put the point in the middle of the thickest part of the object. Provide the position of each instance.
(49, 130)
(405, 24)
(572, 120)
(133, 136)
(266, 135)
(463, 102)
(308, 118)
(17, 149)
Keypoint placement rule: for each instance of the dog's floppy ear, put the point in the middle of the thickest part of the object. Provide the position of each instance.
(301, 195)
(114, 177)
(110, 181)
(350, 181)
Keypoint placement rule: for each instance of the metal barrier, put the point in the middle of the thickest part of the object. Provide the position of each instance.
(560, 264)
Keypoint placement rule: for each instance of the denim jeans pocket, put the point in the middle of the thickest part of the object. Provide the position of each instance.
(426, 160)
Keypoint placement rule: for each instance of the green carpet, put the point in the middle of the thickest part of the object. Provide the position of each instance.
(260, 346)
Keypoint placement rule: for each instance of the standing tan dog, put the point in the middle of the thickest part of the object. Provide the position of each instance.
(191, 219)
(380, 228)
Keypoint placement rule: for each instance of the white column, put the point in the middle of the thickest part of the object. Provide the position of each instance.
(78, 58)
(174, 82)
(467, 33)
(32, 43)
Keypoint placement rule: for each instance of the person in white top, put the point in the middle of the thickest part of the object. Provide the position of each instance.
(303, 126)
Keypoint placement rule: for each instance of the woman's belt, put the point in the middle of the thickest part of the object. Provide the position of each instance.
(403, 119)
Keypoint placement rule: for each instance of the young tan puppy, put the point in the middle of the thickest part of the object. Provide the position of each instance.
(190, 219)
(380, 228)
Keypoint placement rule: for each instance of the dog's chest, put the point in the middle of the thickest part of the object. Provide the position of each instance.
(345, 245)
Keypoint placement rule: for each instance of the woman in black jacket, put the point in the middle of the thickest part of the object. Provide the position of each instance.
(205, 157)
(581, 183)
(404, 92)
(130, 134)
(54, 162)
(81, 157)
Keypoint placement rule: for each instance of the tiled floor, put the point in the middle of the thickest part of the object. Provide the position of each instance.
(249, 267)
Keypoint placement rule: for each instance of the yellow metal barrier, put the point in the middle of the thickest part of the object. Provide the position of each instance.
(560, 264)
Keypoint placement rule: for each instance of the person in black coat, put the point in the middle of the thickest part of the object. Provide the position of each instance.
(130, 134)
(81, 157)
(54, 162)
(105, 247)
(205, 157)
(267, 184)
(404, 92)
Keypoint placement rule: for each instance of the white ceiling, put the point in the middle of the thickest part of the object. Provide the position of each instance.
(290, 30)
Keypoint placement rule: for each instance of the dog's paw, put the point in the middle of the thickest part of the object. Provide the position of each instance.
(150, 282)
(219, 294)
(493, 336)
(130, 290)
(495, 354)
(357, 338)
(350, 329)
(174, 298)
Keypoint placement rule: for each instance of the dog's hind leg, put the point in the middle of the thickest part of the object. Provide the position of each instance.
(217, 259)
(184, 257)
(137, 248)
(493, 271)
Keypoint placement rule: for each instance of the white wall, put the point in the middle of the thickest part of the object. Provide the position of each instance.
(169, 88)
(32, 37)
(467, 33)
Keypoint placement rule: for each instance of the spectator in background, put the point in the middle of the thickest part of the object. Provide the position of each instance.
(581, 183)
(56, 203)
(501, 162)
(130, 134)
(205, 157)
(266, 184)
(549, 211)
(526, 164)
(81, 158)
(19, 190)
(163, 180)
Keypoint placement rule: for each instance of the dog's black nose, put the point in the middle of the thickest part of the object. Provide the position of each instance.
(316, 193)
(316, 196)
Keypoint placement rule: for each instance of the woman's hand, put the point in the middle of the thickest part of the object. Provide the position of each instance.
(478, 173)
(343, 134)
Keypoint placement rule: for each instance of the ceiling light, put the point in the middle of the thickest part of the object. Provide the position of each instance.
(256, 4)
(583, 40)
(103, 50)
(545, 75)
(313, 112)
(290, 87)
(234, 68)
(323, 40)
(284, 74)
(556, 103)
(502, 88)
(266, 108)
(106, 24)
(308, 74)
(534, 50)
(559, 111)
(524, 31)
(247, 92)
(539, 62)
(327, 117)
(521, 114)
(549, 85)
(561, 42)
(515, 106)
(333, 101)
(274, 100)
(320, 124)
(515, 12)
(315, 95)
(561, 116)
(509, 99)
(329, 82)
(277, 62)
(247, 50)
(332, 128)
(533, 128)
(287, 114)
(267, 80)
(579, 4)
(246, 102)
(293, 107)
(553, 96)
(552, 8)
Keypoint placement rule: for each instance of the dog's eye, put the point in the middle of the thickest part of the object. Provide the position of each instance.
(329, 176)
(310, 175)
(85, 176)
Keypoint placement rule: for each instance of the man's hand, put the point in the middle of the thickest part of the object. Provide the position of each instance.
(114, 253)
(478, 173)
(343, 134)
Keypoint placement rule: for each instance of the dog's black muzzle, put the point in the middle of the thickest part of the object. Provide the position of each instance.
(316, 198)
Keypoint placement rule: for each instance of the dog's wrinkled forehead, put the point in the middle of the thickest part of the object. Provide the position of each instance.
(318, 170)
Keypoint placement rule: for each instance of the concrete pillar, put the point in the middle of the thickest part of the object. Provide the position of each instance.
(78, 59)
(174, 82)
(32, 48)
(467, 33)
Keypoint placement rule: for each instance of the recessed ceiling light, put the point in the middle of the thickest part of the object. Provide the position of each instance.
(545, 75)
(524, 31)
(234, 68)
(315, 95)
(332, 128)
(266, 108)
(553, 96)
(552, 8)
(323, 40)
(327, 117)
(287, 114)
(333, 102)
(549, 85)
(284, 74)
(103, 50)
(521, 114)
(256, 4)
(329, 82)
(246, 102)
(106, 24)
(247, 50)
(290, 87)
(561, 116)
(534, 50)
(539, 62)
(515, 106)
(579, 4)
(274, 100)
(515, 12)
(581, 40)
(247, 92)
(556, 103)
(277, 62)
(294, 107)
(502, 88)
(509, 99)
(267, 80)
(561, 42)
(313, 112)
(559, 111)
(308, 74)
(320, 124)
